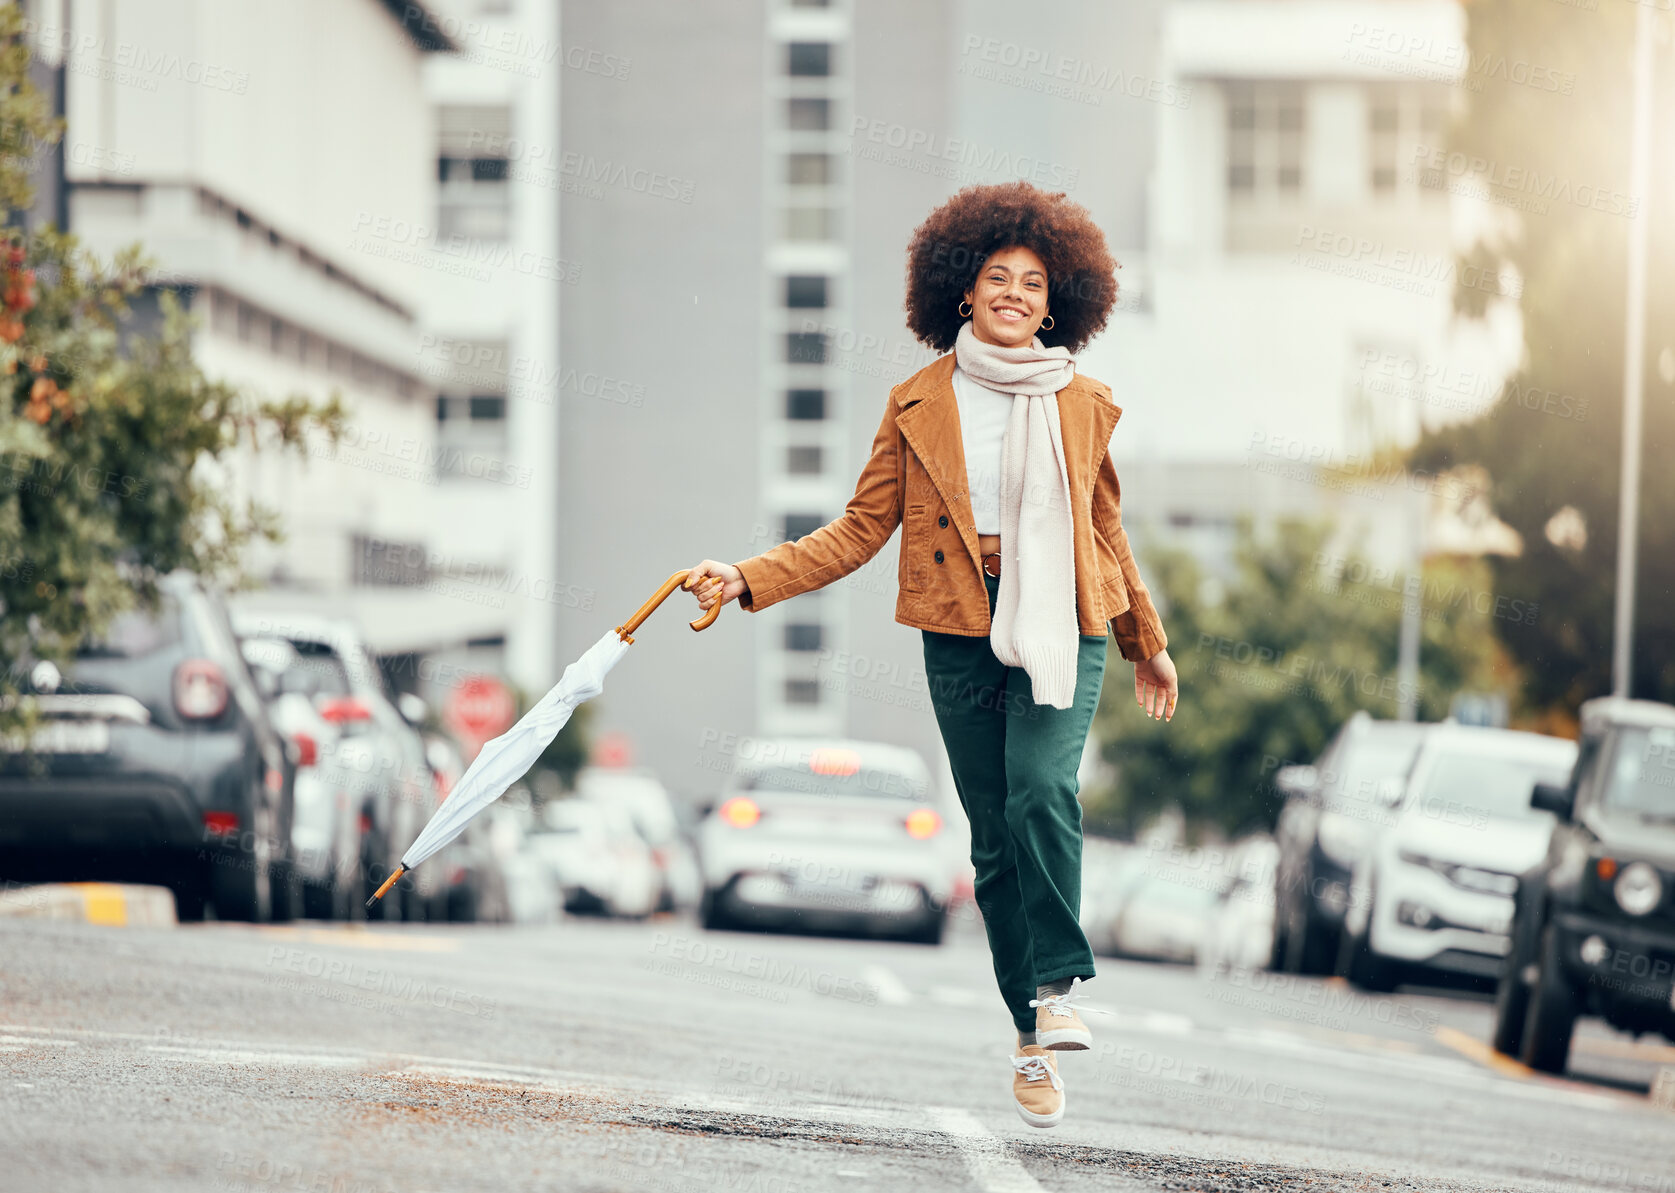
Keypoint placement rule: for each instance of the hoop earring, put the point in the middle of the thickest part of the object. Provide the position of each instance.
(1047, 324)
(964, 314)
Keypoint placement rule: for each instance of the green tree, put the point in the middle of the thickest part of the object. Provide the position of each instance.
(1272, 662)
(111, 437)
(1556, 163)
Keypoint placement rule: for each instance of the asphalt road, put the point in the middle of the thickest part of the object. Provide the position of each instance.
(599, 1056)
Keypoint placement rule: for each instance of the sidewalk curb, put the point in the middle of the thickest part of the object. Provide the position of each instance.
(112, 904)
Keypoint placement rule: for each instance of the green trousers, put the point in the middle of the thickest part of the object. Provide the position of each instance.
(1014, 764)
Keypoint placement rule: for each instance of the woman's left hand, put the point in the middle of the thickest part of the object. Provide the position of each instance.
(1156, 686)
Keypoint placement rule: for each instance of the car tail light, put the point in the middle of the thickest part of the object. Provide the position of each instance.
(366, 824)
(220, 823)
(1606, 868)
(200, 690)
(740, 812)
(274, 780)
(923, 823)
(442, 784)
(342, 710)
(308, 750)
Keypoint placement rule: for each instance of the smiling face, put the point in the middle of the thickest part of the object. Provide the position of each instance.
(1009, 298)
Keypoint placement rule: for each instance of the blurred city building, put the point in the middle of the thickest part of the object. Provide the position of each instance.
(331, 204)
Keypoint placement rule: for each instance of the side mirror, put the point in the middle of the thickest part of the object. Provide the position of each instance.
(1297, 782)
(1388, 792)
(1546, 797)
(413, 709)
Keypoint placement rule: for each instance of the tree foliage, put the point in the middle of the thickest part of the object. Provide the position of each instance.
(1557, 161)
(1274, 661)
(113, 443)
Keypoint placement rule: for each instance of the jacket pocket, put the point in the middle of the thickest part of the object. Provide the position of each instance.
(913, 538)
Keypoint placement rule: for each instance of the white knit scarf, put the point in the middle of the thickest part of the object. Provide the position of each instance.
(1034, 625)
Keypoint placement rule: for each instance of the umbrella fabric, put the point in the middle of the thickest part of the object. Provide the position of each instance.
(505, 760)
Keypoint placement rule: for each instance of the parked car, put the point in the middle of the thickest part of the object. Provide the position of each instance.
(384, 770)
(598, 858)
(474, 885)
(1166, 914)
(1593, 929)
(1109, 876)
(1435, 893)
(828, 833)
(325, 827)
(532, 893)
(1240, 932)
(1333, 812)
(638, 791)
(154, 761)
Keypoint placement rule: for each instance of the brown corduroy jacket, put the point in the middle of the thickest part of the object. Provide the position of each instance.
(916, 476)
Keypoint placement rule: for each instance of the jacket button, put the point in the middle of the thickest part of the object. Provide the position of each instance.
(939, 556)
(943, 521)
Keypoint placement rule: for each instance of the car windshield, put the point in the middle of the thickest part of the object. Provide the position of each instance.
(865, 781)
(136, 633)
(1490, 785)
(1365, 765)
(1643, 773)
(317, 671)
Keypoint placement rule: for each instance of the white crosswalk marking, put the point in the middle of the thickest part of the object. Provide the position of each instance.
(994, 1170)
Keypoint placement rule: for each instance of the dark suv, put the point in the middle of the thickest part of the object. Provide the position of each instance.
(153, 760)
(1593, 930)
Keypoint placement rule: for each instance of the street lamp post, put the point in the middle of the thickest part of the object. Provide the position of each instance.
(1634, 356)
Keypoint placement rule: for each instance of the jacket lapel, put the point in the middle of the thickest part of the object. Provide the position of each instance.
(930, 422)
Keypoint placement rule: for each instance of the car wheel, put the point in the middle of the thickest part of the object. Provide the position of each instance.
(462, 904)
(191, 894)
(931, 931)
(1309, 947)
(241, 879)
(1512, 1004)
(319, 900)
(1552, 1013)
(286, 888)
(1361, 965)
(710, 912)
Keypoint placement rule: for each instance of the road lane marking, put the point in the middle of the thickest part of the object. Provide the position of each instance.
(891, 990)
(362, 938)
(105, 903)
(993, 1168)
(1477, 1050)
(215, 1055)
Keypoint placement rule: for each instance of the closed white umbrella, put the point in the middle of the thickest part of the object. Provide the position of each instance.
(505, 759)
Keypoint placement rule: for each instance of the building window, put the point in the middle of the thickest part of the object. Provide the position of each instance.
(805, 291)
(809, 115)
(802, 691)
(809, 169)
(805, 348)
(808, 58)
(803, 461)
(799, 636)
(798, 525)
(474, 195)
(471, 438)
(1383, 118)
(1265, 131)
(1403, 125)
(809, 223)
(805, 404)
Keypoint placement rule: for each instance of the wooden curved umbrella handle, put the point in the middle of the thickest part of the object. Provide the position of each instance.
(676, 580)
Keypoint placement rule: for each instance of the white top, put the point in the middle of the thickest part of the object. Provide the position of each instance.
(983, 416)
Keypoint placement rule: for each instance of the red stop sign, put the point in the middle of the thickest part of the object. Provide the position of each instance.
(479, 709)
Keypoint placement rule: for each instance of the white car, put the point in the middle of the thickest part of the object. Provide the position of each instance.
(828, 833)
(1240, 934)
(599, 859)
(647, 801)
(1435, 891)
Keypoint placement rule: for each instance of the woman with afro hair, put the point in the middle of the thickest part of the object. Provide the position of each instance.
(995, 461)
